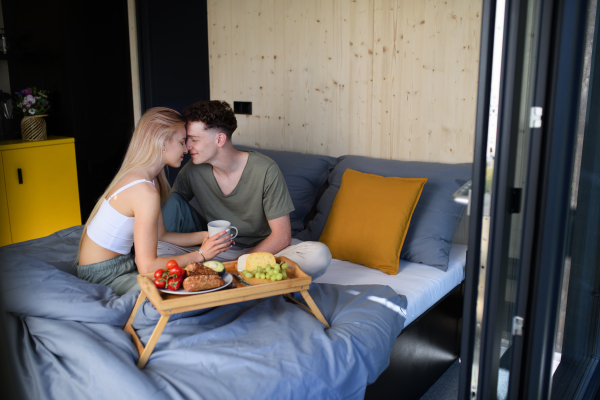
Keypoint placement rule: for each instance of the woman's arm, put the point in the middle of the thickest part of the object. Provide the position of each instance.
(145, 232)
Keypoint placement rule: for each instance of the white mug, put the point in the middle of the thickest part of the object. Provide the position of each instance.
(219, 225)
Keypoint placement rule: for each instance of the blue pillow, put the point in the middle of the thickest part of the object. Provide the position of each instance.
(435, 219)
(304, 174)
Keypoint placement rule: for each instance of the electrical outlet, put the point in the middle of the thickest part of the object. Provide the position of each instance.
(242, 107)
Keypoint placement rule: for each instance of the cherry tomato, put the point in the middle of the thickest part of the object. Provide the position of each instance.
(160, 282)
(176, 271)
(174, 283)
(171, 264)
(159, 273)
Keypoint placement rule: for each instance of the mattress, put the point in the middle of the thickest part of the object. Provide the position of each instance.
(423, 285)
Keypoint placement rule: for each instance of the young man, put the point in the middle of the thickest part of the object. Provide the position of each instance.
(245, 188)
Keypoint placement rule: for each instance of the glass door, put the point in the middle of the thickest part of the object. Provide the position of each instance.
(513, 65)
(574, 314)
(530, 81)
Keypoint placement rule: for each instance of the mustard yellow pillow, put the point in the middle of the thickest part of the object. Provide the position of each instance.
(369, 219)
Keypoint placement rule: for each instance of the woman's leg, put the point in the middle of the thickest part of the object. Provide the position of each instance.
(119, 273)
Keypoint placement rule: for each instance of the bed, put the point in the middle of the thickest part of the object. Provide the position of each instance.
(65, 336)
(430, 339)
(422, 285)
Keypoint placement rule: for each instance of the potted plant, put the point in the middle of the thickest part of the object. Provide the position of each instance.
(34, 104)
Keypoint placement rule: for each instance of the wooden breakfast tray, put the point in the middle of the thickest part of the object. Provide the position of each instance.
(168, 304)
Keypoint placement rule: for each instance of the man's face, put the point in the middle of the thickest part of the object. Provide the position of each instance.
(201, 144)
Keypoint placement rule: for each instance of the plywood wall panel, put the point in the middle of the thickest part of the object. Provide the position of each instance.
(391, 79)
(403, 94)
(221, 62)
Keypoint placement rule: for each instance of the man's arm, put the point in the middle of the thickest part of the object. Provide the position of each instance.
(280, 237)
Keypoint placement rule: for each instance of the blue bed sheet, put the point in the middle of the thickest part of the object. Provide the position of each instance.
(68, 339)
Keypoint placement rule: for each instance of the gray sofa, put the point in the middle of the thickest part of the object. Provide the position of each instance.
(430, 344)
(314, 180)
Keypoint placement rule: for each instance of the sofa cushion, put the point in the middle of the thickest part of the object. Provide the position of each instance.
(369, 219)
(436, 216)
(304, 174)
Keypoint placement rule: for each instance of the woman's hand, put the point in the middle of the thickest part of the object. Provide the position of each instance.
(216, 244)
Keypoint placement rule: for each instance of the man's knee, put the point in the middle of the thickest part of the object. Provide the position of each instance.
(179, 216)
(321, 256)
(322, 252)
(313, 257)
(174, 203)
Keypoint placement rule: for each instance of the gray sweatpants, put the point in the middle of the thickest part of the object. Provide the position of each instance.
(119, 273)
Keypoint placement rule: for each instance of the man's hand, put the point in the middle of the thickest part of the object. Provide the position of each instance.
(280, 237)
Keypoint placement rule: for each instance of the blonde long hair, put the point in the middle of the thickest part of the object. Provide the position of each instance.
(154, 129)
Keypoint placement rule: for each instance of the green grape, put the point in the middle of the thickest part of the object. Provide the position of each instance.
(273, 279)
(246, 274)
(277, 267)
(259, 269)
(284, 274)
(279, 276)
(269, 266)
(263, 276)
(284, 266)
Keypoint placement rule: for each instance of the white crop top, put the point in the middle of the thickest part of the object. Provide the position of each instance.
(111, 229)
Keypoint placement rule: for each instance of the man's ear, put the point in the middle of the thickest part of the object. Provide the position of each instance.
(221, 139)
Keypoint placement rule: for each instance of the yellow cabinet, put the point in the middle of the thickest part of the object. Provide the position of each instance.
(39, 193)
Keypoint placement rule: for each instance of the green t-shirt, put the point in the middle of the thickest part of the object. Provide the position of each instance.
(260, 195)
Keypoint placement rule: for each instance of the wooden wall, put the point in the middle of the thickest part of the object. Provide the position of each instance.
(392, 79)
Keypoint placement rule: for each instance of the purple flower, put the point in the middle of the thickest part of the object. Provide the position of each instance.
(27, 91)
(24, 110)
(30, 99)
(18, 93)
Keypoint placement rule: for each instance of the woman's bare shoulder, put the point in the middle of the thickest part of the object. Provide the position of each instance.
(131, 177)
(140, 198)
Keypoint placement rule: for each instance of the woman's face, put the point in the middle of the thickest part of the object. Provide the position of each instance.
(175, 148)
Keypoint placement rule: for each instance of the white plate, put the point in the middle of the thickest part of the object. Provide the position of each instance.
(226, 277)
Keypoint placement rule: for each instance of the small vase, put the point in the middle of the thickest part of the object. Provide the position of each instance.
(34, 128)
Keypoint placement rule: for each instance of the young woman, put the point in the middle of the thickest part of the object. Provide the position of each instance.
(128, 213)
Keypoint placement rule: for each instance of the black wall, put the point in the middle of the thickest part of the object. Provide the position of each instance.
(80, 52)
(173, 54)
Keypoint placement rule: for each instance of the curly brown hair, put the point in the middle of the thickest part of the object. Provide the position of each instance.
(215, 114)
